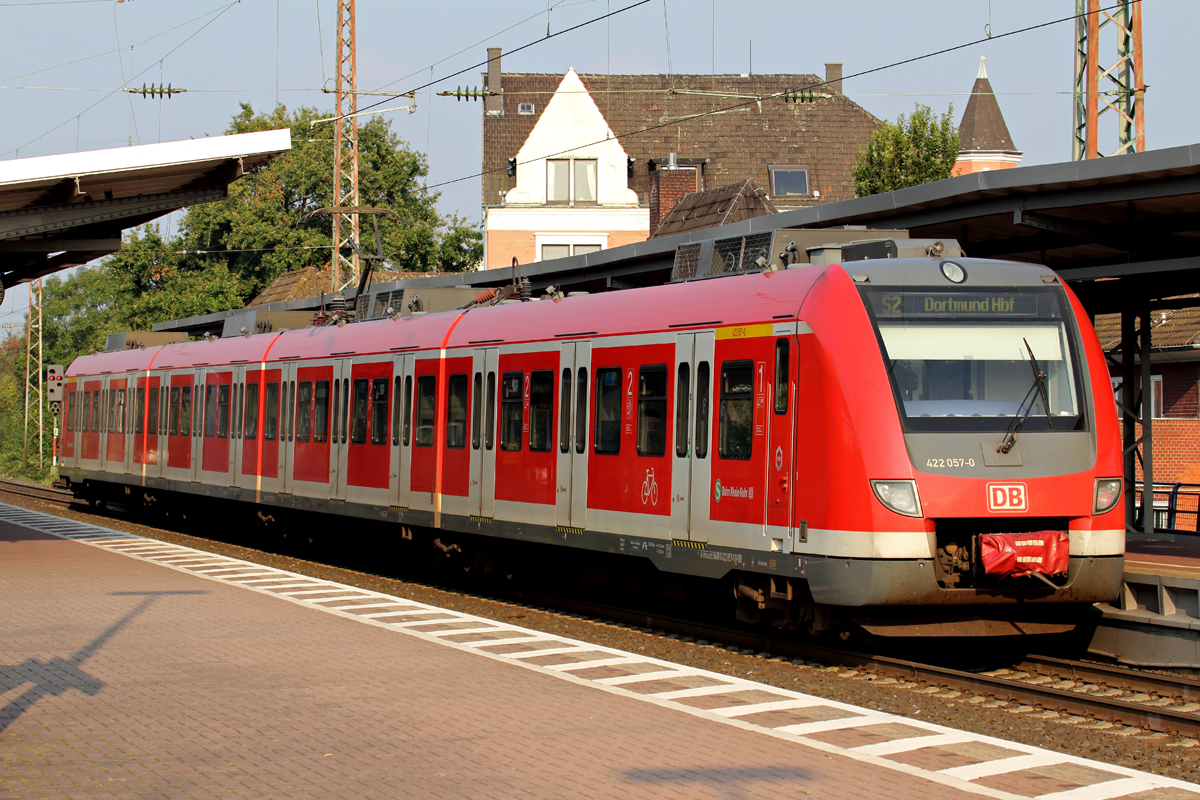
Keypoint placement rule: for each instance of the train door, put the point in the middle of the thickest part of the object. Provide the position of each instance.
(571, 493)
(402, 389)
(781, 437)
(103, 448)
(287, 425)
(339, 429)
(481, 494)
(199, 379)
(236, 415)
(691, 468)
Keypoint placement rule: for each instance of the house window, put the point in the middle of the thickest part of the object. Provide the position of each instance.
(525, 109)
(789, 181)
(550, 251)
(580, 249)
(585, 181)
(558, 180)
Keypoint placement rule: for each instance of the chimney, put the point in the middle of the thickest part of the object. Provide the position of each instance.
(833, 76)
(494, 105)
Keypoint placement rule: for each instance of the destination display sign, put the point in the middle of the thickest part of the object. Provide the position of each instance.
(890, 304)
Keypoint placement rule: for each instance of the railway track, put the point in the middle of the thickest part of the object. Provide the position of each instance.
(1153, 701)
(47, 493)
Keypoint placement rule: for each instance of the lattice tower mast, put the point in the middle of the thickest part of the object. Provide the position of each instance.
(33, 371)
(1119, 87)
(345, 154)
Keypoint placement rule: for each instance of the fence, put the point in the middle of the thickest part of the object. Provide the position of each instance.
(1176, 507)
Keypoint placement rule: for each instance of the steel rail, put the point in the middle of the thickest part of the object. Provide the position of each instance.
(33, 490)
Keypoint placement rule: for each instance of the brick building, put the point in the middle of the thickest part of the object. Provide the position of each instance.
(574, 163)
(1175, 403)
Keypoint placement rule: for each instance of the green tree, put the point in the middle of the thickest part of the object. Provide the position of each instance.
(917, 148)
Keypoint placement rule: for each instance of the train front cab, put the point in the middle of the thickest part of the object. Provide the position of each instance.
(930, 369)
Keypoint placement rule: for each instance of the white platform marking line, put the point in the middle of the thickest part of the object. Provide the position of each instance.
(1000, 766)
(461, 631)
(824, 725)
(773, 705)
(293, 585)
(1118, 787)
(241, 569)
(429, 620)
(392, 613)
(946, 778)
(507, 641)
(247, 575)
(344, 598)
(313, 590)
(615, 661)
(549, 651)
(357, 607)
(274, 576)
(914, 743)
(621, 680)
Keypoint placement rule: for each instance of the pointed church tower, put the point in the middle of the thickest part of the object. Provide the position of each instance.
(984, 141)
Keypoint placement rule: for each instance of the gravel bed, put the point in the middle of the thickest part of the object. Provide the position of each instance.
(1079, 736)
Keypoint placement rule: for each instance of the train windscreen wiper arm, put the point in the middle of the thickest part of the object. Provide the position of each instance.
(1039, 386)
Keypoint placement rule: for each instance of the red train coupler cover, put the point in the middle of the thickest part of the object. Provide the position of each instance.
(1015, 555)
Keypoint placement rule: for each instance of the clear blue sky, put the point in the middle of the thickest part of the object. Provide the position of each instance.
(243, 51)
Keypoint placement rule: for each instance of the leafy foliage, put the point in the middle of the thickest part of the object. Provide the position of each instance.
(226, 252)
(915, 149)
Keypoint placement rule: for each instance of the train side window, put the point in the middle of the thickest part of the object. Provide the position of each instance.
(476, 410)
(735, 433)
(512, 411)
(456, 412)
(197, 410)
(702, 424)
(139, 425)
(152, 411)
(223, 410)
(70, 412)
(345, 408)
(396, 395)
(608, 411)
(303, 411)
(407, 410)
(426, 408)
(111, 411)
(581, 406)
(251, 427)
(358, 422)
(290, 419)
(337, 411)
(682, 388)
(541, 411)
(321, 412)
(96, 410)
(782, 356)
(120, 411)
(239, 408)
(379, 411)
(652, 411)
(210, 411)
(173, 418)
(564, 412)
(489, 431)
(271, 412)
(285, 412)
(185, 411)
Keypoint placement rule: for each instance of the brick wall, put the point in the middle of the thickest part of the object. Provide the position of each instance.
(1176, 451)
(503, 245)
(666, 187)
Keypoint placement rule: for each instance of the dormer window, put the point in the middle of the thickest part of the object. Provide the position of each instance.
(571, 180)
(789, 181)
(525, 109)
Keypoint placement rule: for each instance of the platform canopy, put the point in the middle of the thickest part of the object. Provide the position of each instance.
(61, 211)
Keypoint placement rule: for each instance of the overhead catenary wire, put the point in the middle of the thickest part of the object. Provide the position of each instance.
(191, 36)
(778, 95)
(526, 46)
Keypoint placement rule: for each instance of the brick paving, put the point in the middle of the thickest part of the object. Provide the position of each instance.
(125, 679)
(136, 668)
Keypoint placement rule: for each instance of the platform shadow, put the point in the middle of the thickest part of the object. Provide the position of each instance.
(733, 782)
(60, 675)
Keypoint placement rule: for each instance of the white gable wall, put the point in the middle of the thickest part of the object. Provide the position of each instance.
(572, 119)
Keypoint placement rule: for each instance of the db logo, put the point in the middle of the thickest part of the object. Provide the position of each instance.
(1007, 497)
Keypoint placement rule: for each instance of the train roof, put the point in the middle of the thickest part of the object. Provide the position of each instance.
(731, 300)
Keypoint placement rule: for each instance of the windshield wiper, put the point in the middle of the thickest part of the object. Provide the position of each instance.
(1039, 386)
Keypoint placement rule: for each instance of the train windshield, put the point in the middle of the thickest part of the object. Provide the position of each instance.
(961, 360)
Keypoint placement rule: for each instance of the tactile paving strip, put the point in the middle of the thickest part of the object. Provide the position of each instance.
(971, 762)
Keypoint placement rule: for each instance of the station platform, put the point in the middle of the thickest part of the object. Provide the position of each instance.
(1156, 621)
(137, 668)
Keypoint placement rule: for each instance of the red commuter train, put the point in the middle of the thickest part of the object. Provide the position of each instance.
(828, 441)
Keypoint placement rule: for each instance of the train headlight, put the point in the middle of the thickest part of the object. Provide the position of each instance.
(899, 496)
(1108, 492)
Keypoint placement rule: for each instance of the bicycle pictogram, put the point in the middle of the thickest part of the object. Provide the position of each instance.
(650, 488)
